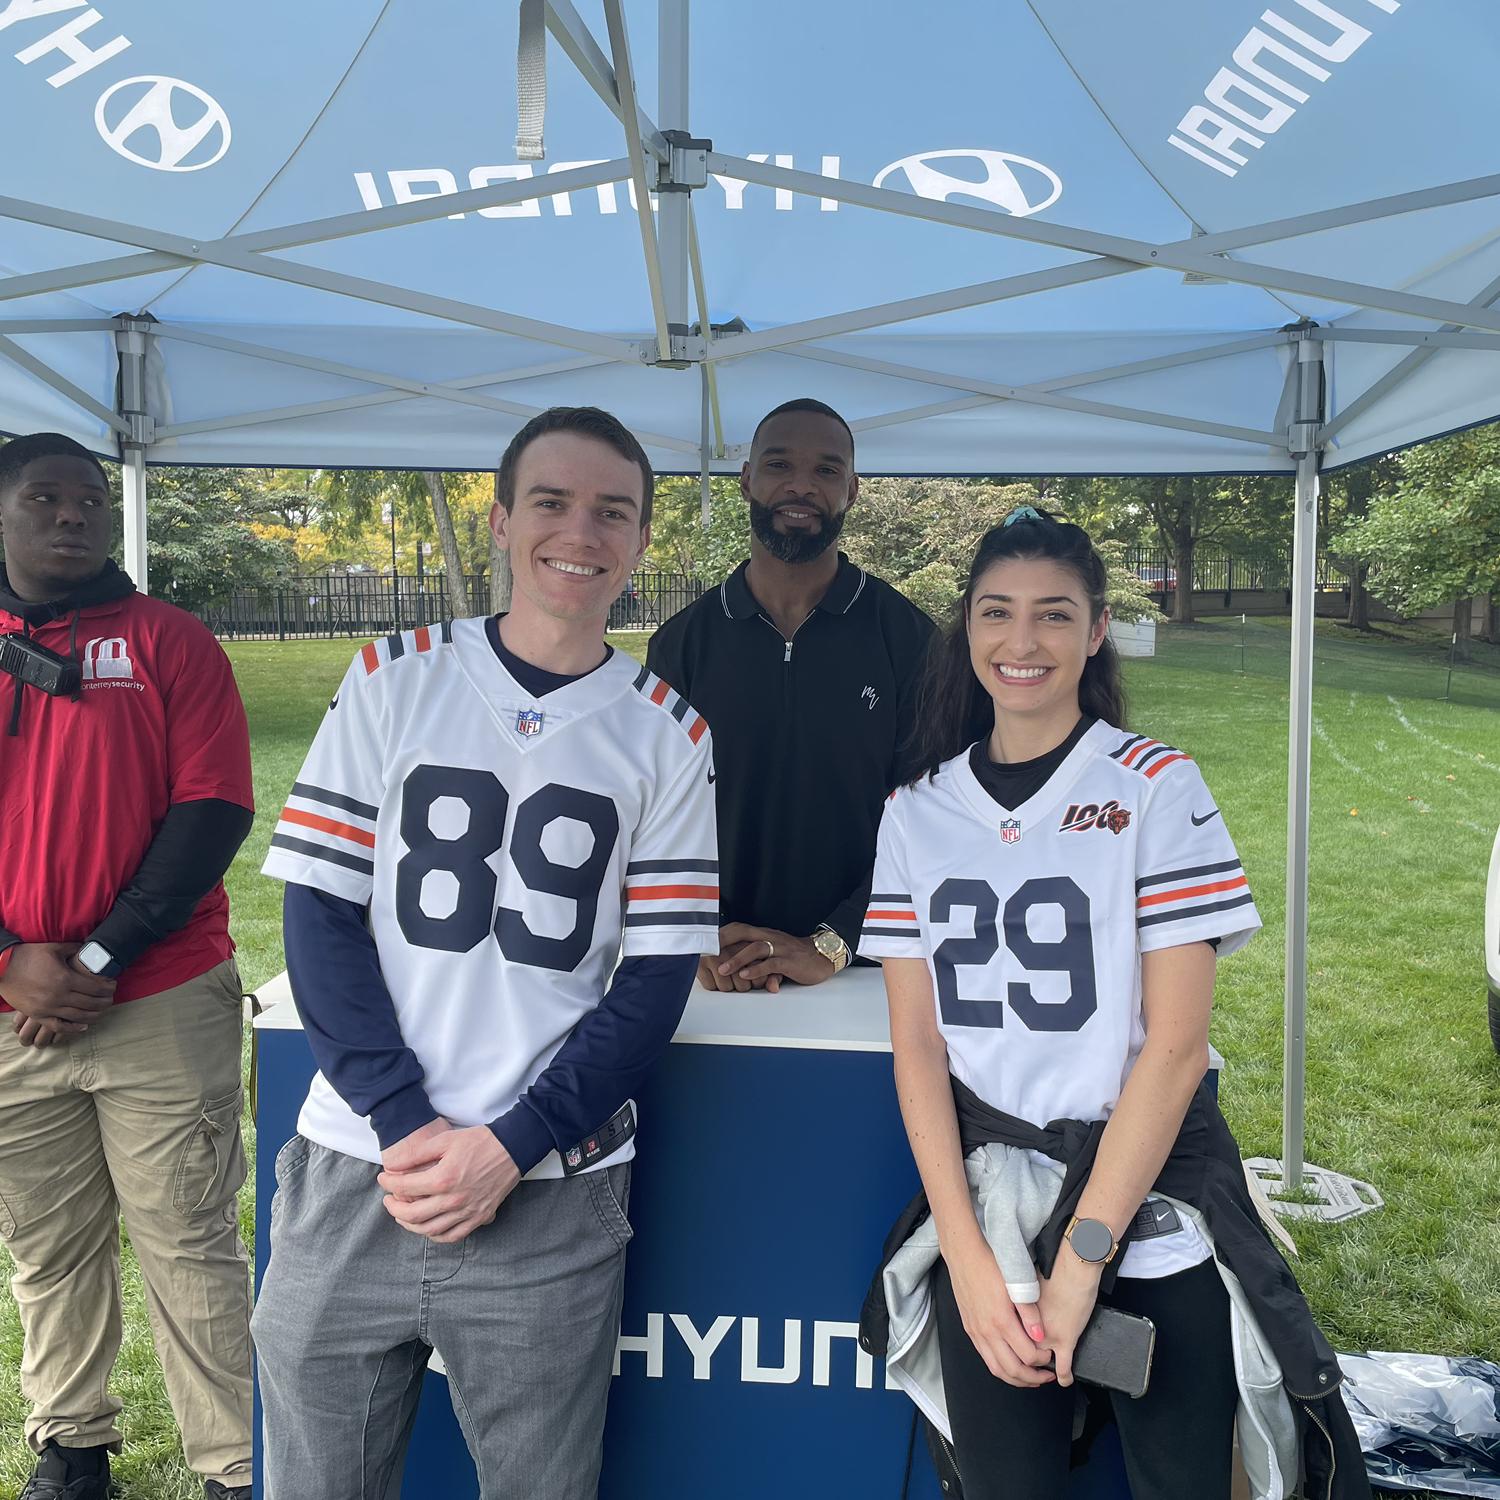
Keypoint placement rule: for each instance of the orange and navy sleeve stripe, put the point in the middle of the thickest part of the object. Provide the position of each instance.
(321, 824)
(656, 689)
(1147, 756)
(890, 916)
(1191, 892)
(672, 893)
(409, 642)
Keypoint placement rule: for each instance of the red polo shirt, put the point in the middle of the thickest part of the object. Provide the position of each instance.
(85, 784)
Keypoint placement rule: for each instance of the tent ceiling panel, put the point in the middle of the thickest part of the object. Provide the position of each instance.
(989, 193)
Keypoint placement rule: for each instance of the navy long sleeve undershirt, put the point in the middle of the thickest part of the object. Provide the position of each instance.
(350, 1022)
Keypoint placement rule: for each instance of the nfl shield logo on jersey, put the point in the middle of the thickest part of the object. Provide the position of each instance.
(1010, 831)
(529, 721)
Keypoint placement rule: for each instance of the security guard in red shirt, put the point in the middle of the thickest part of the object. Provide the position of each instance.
(125, 768)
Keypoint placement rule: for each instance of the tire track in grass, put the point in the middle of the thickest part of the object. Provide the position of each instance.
(1339, 758)
(1464, 755)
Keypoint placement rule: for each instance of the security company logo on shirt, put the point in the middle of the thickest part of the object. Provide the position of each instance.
(106, 663)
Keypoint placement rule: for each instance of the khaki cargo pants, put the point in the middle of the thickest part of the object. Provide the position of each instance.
(139, 1114)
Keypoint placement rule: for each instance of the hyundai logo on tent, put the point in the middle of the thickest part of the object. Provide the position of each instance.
(163, 123)
(1015, 183)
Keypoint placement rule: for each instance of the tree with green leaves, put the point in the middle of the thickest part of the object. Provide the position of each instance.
(419, 497)
(680, 543)
(1435, 537)
(212, 531)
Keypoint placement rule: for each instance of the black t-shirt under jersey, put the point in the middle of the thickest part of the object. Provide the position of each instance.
(1010, 783)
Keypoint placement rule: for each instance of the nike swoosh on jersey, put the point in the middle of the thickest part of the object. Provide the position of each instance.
(1199, 822)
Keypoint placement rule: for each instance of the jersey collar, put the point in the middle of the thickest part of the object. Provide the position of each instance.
(738, 603)
(1053, 790)
(505, 697)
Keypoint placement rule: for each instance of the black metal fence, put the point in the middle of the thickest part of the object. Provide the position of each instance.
(1218, 572)
(369, 604)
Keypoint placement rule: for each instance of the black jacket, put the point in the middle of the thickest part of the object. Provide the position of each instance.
(1203, 1171)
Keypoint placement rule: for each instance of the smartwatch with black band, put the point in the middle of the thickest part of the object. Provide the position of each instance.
(97, 959)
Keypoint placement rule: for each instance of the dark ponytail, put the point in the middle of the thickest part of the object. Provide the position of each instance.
(953, 707)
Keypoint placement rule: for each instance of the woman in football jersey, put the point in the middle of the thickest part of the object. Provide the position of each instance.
(1051, 894)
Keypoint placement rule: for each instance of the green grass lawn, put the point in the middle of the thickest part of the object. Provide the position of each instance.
(1403, 1086)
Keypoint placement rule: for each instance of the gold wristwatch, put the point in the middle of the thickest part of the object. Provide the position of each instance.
(832, 947)
(1092, 1240)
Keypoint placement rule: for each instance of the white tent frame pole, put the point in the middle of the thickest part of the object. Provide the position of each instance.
(977, 294)
(1090, 408)
(133, 493)
(674, 209)
(1028, 284)
(1302, 445)
(423, 210)
(1183, 255)
(346, 372)
(360, 289)
(1036, 396)
(1485, 343)
(57, 325)
(60, 383)
(619, 41)
(356, 403)
(1173, 253)
(131, 340)
(409, 388)
(1402, 372)
(294, 236)
(705, 447)
(710, 368)
(574, 37)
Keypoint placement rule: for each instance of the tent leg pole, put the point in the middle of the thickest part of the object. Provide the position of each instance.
(705, 447)
(131, 336)
(673, 207)
(133, 473)
(1299, 755)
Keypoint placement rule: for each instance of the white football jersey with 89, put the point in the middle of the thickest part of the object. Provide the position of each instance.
(509, 849)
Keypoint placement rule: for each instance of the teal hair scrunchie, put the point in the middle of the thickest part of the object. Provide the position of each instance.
(1023, 513)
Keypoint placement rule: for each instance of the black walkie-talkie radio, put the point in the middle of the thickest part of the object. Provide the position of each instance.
(39, 667)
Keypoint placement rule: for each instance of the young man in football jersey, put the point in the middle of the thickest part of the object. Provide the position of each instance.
(125, 778)
(805, 666)
(1049, 903)
(490, 813)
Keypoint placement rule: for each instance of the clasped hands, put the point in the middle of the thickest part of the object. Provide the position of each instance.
(52, 996)
(1023, 1344)
(444, 1181)
(753, 958)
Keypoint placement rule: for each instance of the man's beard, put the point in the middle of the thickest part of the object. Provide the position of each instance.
(797, 546)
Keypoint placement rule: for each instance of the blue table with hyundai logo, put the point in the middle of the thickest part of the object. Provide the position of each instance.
(771, 1161)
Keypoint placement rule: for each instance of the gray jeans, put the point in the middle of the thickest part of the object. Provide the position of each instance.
(524, 1313)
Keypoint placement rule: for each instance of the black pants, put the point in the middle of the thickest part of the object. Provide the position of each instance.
(1013, 1443)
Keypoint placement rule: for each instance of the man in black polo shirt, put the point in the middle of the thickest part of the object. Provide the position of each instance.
(806, 669)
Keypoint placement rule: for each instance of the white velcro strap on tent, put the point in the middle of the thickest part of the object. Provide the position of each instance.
(531, 81)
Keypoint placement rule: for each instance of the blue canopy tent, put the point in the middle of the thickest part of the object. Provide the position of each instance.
(1018, 236)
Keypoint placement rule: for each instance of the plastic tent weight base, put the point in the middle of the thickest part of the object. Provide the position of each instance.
(1334, 1196)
